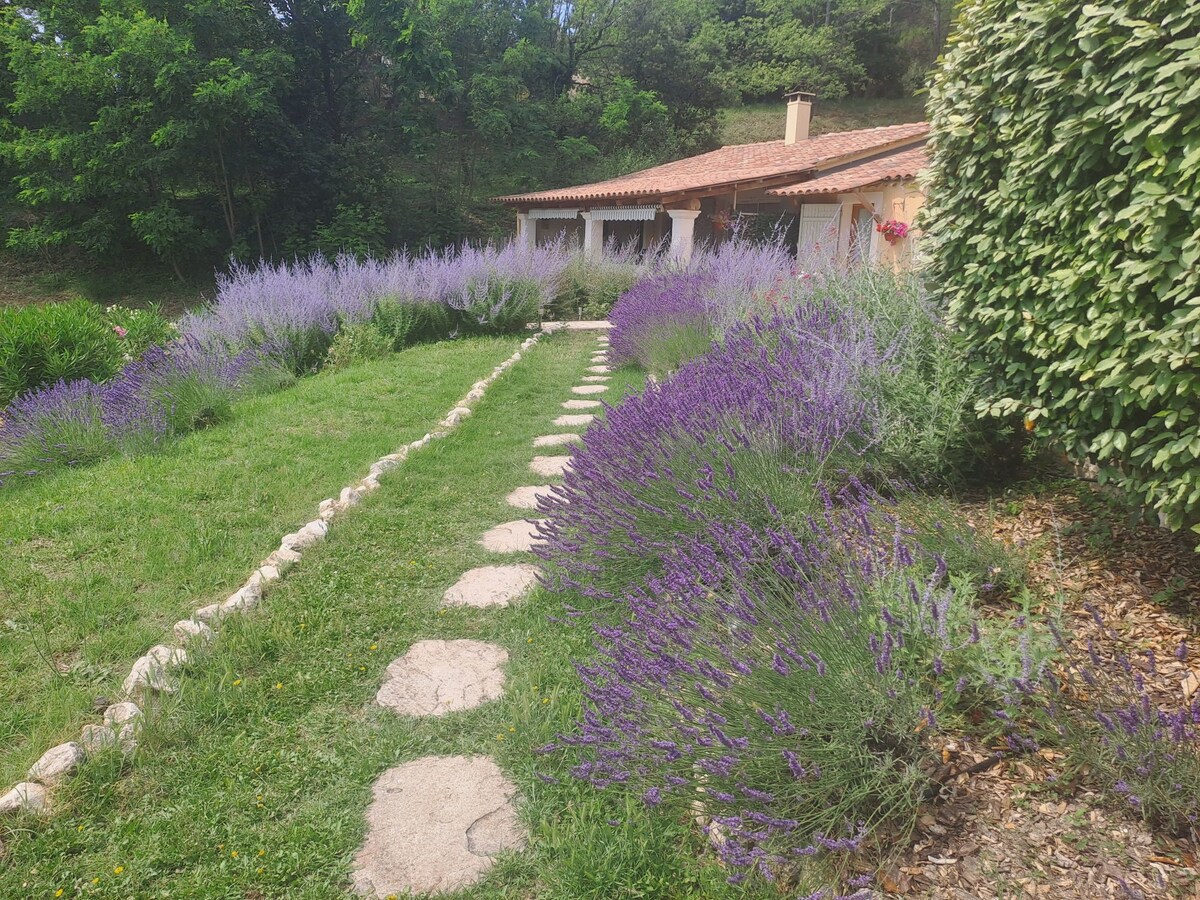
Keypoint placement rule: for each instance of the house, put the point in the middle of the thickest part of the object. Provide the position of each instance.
(838, 186)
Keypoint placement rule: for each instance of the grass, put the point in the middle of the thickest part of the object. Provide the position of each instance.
(97, 564)
(764, 121)
(253, 783)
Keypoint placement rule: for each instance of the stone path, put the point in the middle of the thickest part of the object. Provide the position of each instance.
(435, 824)
(556, 440)
(492, 585)
(437, 677)
(511, 537)
(550, 465)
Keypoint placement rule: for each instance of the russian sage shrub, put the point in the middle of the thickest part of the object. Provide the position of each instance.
(760, 423)
(781, 683)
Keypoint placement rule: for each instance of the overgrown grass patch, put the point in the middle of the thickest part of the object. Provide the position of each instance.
(98, 563)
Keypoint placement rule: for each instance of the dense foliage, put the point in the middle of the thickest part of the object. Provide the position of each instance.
(1063, 228)
(40, 345)
(185, 132)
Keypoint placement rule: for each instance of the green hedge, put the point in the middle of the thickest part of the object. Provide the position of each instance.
(1063, 227)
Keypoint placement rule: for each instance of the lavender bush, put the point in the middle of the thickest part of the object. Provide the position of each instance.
(661, 322)
(781, 683)
(166, 393)
(760, 423)
(1145, 754)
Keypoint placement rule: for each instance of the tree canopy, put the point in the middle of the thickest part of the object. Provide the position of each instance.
(186, 132)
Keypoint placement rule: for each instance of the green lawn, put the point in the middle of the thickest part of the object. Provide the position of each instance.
(764, 121)
(97, 564)
(254, 781)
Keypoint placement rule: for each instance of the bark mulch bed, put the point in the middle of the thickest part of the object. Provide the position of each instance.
(1017, 828)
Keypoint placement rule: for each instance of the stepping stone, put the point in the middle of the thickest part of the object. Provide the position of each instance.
(550, 465)
(599, 370)
(595, 379)
(556, 440)
(581, 404)
(436, 824)
(589, 389)
(527, 497)
(511, 537)
(569, 420)
(492, 586)
(437, 677)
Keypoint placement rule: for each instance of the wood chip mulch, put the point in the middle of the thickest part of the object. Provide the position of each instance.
(1017, 829)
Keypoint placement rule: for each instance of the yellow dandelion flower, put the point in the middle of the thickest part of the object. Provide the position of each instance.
(79, 828)
(233, 854)
(529, 640)
(545, 700)
(303, 624)
(118, 870)
(279, 685)
(95, 881)
(59, 892)
(374, 646)
(259, 870)
(236, 682)
(512, 730)
(262, 853)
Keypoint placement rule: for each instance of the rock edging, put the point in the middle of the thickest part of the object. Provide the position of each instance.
(152, 673)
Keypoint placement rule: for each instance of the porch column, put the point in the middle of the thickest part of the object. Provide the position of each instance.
(526, 231)
(593, 236)
(683, 230)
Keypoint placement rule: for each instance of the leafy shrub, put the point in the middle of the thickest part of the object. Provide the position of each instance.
(41, 345)
(591, 288)
(356, 344)
(1061, 228)
(140, 329)
(406, 321)
(783, 681)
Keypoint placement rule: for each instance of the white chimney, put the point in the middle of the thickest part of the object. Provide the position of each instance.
(799, 114)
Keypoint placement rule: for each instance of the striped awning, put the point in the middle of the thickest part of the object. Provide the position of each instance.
(624, 213)
(550, 212)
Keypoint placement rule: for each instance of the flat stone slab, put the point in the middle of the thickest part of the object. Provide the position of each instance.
(599, 370)
(436, 824)
(556, 440)
(569, 420)
(492, 586)
(527, 497)
(589, 389)
(437, 677)
(550, 465)
(581, 404)
(511, 537)
(595, 379)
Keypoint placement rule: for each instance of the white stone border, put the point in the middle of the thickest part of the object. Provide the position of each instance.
(151, 673)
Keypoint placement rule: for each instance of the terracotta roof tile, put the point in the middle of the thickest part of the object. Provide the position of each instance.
(895, 166)
(741, 162)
